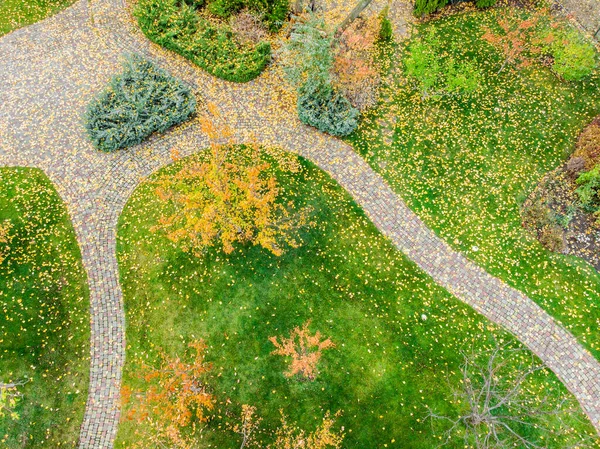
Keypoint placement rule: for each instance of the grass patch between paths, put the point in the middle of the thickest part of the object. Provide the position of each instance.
(44, 302)
(19, 13)
(388, 363)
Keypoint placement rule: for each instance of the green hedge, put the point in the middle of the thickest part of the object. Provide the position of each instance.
(138, 102)
(179, 28)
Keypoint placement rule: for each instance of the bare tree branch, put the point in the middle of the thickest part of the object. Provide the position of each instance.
(498, 410)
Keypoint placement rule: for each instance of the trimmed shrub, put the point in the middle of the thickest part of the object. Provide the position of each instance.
(423, 7)
(138, 102)
(179, 28)
(327, 110)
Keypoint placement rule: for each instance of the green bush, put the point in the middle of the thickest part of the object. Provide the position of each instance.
(435, 72)
(485, 3)
(386, 32)
(574, 57)
(138, 102)
(179, 28)
(327, 110)
(273, 12)
(589, 189)
(225, 8)
(308, 62)
(423, 7)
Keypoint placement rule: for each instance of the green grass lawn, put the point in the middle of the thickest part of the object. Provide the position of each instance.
(44, 329)
(465, 164)
(388, 363)
(18, 13)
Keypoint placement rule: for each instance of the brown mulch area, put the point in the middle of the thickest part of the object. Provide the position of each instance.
(552, 215)
(552, 212)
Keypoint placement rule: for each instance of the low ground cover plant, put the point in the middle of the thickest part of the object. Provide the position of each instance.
(185, 28)
(141, 100)
(44, 330)
(359, 330)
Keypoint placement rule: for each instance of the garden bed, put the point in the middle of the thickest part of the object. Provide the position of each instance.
(554, 212)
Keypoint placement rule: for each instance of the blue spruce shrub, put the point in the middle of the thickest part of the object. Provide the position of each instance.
(327, 110)
(139, 101)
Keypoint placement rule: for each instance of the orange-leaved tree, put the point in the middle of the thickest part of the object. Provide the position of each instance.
(355, 70)
(516, 39)
(228, 198)
(289, 436)
(304, 349)
(172, 405)
(5, 239)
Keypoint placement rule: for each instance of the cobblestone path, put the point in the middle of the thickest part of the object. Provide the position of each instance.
(52, 69)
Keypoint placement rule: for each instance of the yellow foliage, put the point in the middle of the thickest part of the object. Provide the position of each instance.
(229, 198)
(5, 239)
(290, 437)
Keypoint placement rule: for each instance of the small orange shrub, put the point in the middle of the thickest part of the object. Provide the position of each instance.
(356, 74)
(305, 350)
(174, 400)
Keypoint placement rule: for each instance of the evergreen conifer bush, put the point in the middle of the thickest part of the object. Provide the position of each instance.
(327, 110)
(386, 31)
(308, 64)
(139, 101)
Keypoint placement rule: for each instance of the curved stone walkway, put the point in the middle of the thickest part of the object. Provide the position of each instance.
(52, 69)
